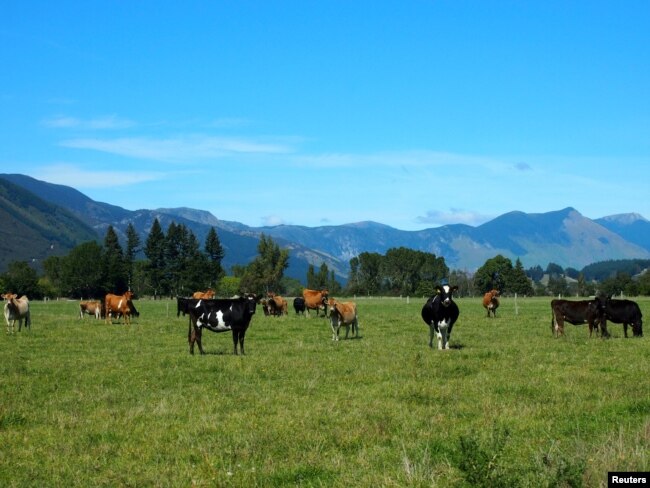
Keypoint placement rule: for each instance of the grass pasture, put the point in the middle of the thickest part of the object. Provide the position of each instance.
(83, 403)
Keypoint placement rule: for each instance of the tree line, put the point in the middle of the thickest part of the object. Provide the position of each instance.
(176, 264)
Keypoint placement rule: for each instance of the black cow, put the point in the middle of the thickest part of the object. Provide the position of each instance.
(576, 312)
(440, 314)
(220, 315)
(626, 312)
(182, 306)
(299, 305)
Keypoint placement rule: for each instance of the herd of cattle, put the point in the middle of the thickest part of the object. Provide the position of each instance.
(440, 313)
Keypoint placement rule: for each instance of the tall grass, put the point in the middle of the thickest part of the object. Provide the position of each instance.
(83, 403)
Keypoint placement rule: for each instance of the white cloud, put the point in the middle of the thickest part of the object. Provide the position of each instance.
(177, 149)
(273, 220)
(109, 122)
(453, 216)
(76, 177)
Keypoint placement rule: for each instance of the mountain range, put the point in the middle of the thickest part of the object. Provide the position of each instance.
(40, 219)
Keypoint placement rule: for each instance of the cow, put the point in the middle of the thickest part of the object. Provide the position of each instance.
(576, 312)
(208, 294)
(299, 305)
(90, 307)
(315, 300)
(343, 313)
(277, 305)
(182, 306)
(491, 302)
(626, 312)
(440, 313)
(221, 315)
(119, 305)
(16, 309)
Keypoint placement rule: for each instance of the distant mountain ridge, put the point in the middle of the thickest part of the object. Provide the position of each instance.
(564, 237)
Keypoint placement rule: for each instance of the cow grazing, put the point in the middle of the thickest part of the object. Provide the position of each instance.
(575, 312)
(208, 294)
(221, 315)
(90, 307)
(343, 313)
(440, 313)
(299, 305)
(491, 302)
(16, 309)
(315, 300)
(116, 305)
(626, 312)
(277, 305)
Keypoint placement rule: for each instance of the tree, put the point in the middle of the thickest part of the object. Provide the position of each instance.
(265, 272)
(312, 283)
(81, 273)
(518, 282)
(494, 274)
(368, 274)
(554, 269)
(132, 248)
(214, 251)
(22, 279)
(155, 252)
(114, 267)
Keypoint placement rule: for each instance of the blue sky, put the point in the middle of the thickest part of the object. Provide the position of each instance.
(414, 114)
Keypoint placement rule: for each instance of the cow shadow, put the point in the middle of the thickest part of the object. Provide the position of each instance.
(457, 346)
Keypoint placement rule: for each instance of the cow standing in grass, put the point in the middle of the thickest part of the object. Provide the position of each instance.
(626, 312)
(576, 312)
(16, 309)
(221, 315)
(440, 313)
(343, 313)
(315, 300)
(491, 302)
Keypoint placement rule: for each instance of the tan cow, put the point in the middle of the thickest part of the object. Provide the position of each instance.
(16, 309)
(315, 300)
(206, 295)
(90, 307)
(491, 302)
(118, 305)
(343, 313)
(277, 305)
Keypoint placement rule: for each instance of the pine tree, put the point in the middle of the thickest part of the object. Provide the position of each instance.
(132, 248)
(215, 254)
(115, 271)
(155, 252)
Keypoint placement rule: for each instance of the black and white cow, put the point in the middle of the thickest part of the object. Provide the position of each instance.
(220, 315)
(440, 313)
(626, 312)
(299, 305)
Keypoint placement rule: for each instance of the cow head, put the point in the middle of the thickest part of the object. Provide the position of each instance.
(445, 292)
(251, 302)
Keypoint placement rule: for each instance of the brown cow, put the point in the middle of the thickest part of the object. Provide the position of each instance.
(16, 309)
(491, 302)
(343, 313)
(119, 305)
(315, 300)
(277, 305)
(207, 294)
(90, 307)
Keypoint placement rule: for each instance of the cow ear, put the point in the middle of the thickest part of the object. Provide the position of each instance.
(454, 288)
(438, 289)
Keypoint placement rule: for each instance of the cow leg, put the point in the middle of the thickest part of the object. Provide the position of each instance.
(335, 329)
(238, 338)
(625, 329)
(431, 334)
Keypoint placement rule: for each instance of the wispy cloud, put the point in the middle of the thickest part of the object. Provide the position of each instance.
(76, 177)
(452, 216)
(273, 220)
(523, 167)
(109, 122)
(176, 149)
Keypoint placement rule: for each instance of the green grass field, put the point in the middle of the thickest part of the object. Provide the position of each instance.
(83, 403)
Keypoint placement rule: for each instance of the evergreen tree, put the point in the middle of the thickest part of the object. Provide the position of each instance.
(155, 252)
(518, 282)
(80, 276)
(115, 271)
(312, 282)
(215, 253)
(494, 274)
(132, 248)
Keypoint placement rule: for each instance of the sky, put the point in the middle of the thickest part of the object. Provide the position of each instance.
(414, 114)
